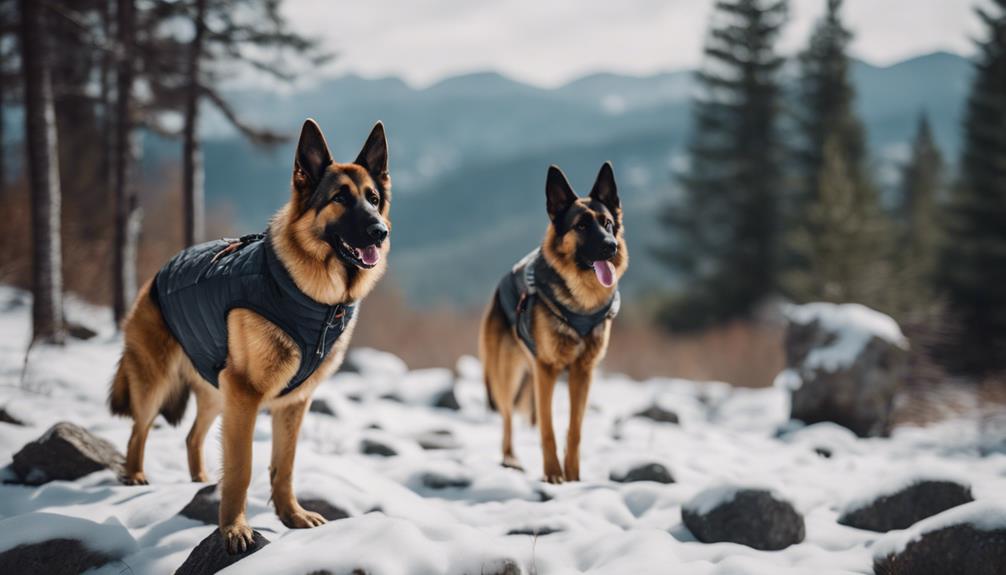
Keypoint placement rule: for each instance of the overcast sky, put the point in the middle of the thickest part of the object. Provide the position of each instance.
(548, 42)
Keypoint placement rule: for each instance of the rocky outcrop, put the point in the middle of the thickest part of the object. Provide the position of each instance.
(953, 550)
(211, 554)
(844, 365)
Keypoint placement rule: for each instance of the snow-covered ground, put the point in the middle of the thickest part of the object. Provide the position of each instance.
(726, 437)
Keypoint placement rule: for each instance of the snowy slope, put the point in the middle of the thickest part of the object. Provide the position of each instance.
(401, 526)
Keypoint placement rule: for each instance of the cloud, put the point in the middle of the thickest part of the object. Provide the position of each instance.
(549, 42)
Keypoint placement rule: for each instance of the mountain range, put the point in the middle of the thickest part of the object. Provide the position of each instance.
(469, 156)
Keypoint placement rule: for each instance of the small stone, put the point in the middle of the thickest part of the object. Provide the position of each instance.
(52, 557)
(447, 400)
(908, 506)
(955, 550)
(211, 554)
(437, 439)
(6, 417)
(324, 508)
(66, 451)
(204, 506)
(371, 447)
(647, 472)
(658, 414)
(438, 481)
(753, 517)
(321, 406)
(534, 531)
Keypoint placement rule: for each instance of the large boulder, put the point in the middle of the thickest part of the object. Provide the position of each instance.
(211, 554)
(66, 451)
(907, 506)
(52, 557)
(967, 540)
(844, 364)
(754, 517)
(204, 506)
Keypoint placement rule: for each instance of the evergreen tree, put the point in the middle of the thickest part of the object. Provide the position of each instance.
(973, 268)
(832, 146)
(728, 222)
(921, 186)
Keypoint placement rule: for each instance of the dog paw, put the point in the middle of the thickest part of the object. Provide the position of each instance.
(302, 519)
(201, 477)
(554, 478)
(239, 537)
(137, 478)
(511, 462)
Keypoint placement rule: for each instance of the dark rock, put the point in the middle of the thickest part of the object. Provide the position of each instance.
(324, 508)
(205, 506)
(647, 472)
(375, 426)
(355, 397)
(66, 451)
(392, 396)
(754, 518)
(78, 331)
(371, 447)
(823, 452)
(211, 554)
(860, 395)
(52, 557)
(6, 417)
(909, 506)
(438, 439)
(534, 531)
(500, 567)
(438, 481)
(658, 414)
(954, 550)
(447, 400)
(321, 406)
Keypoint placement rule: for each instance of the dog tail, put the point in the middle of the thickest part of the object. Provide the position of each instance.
(173, 408)
(118, 395)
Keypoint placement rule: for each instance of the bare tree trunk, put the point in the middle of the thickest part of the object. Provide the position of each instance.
(124, 266)
(192, 155)
(43, 177)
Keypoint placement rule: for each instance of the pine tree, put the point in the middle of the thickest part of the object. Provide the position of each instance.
(832, 147)
(727, 225)
(921, 188)
(973, 263)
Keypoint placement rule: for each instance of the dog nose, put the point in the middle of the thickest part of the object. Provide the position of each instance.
(377, 231)
(609, 248)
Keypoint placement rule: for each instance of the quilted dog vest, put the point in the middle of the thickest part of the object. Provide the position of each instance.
(198, 287)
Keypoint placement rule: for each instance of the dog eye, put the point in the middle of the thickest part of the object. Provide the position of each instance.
(608, 225)
(373, 198)
(581, 225)
(341, 195)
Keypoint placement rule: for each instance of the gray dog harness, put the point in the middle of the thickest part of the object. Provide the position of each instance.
(529, 283)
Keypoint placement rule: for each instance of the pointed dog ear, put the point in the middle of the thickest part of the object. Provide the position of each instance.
(374, 155)
(311, 159)
(559, 195)
(605, 190)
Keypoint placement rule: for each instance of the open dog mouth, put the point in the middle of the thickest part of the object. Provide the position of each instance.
(603, 269)
(364, 258)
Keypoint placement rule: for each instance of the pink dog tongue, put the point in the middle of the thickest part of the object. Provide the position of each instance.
(370, 255)
(605, 272)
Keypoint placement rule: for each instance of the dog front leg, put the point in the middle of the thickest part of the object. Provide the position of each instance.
(286, 422)
(579, 385)
(240, 407)
(544, 384)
